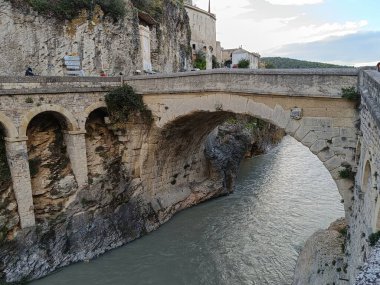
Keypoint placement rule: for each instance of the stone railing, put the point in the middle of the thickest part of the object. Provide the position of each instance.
(288, 82)
(370, 92)
(55, 84)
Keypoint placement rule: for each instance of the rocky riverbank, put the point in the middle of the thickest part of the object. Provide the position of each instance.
(322, 259)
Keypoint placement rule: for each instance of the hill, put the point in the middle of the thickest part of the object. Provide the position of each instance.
(284, 62)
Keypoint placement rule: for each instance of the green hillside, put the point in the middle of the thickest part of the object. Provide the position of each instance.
(284, 62)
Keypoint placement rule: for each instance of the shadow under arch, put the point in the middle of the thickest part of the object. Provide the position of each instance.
(186, 133)
(62, 114)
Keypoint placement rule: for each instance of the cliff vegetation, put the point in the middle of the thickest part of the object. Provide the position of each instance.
(284, 62)
(70, 9)
(123, 102)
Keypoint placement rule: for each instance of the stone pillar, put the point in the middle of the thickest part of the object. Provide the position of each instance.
(17, 155)
(76, 149)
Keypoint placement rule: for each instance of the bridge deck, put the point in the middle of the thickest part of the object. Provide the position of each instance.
(288, 82)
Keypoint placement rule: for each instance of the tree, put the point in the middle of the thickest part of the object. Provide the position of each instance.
(243, 63)
(200, 60)
(215, 63)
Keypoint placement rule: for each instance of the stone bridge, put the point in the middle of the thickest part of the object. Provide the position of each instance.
(307, 104)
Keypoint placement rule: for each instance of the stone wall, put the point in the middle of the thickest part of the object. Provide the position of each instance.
(365, 218)
(28, 39)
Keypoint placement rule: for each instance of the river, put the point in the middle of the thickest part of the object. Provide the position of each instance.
(252, 236)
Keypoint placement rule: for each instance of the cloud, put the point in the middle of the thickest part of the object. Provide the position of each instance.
(354, 49)
(294, 2)
(264, 25)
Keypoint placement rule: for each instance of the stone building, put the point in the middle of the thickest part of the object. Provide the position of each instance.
(231, 57)
(203, 32)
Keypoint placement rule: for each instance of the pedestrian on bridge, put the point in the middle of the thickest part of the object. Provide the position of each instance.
(29, 72)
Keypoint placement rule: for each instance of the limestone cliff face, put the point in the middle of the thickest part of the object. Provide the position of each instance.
(29, 39)
(53, 181)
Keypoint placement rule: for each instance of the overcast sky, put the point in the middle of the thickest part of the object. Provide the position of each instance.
(336, 31)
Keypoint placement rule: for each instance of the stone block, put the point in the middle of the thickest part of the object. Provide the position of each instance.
(318, 146)
(333, 162)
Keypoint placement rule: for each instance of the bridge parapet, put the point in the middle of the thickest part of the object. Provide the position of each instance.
(54, 84)
(287, 82)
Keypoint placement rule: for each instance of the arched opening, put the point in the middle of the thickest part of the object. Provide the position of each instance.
(52, 178)
(367, 177)
(182, 143)
(102, 147)
(8, 204)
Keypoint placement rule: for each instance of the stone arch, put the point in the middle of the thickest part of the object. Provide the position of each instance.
(93, 107)
(71, 122)
(366, 177)
(316, 133)
(102, 144)
(235, 104)
(86, 113)
(9, 128)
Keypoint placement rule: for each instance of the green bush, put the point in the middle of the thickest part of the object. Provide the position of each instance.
(374, 238)
(347, 173)
(350, 93)
(152, 7)
(123, 101)
(243, 63)
(69, 9)
(215, 63)
(200, 60)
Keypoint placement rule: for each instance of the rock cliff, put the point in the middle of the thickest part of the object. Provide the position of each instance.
(41, 41)
(322, 260)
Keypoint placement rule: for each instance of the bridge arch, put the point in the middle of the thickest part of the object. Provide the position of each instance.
(8, 126)
(69, 119)
(333, 143)
(93, 107)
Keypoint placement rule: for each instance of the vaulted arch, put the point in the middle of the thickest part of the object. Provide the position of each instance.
(330, 134)
(68, 118)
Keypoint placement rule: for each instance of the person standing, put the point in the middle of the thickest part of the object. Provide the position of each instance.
(29, 72)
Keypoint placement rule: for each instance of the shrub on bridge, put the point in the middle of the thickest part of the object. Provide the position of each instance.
(350, 93)
(122, 102)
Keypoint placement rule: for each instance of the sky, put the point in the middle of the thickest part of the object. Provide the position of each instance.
(335, 31)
